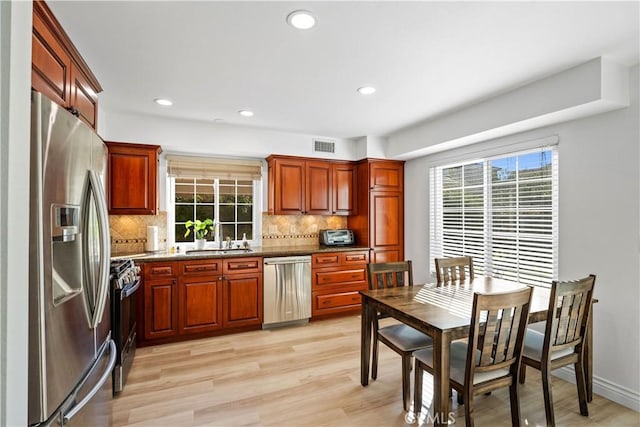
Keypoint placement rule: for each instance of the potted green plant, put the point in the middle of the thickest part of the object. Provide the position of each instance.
(200, 229)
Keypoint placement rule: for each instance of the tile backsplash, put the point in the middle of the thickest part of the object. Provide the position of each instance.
(129, 232)
(296, 230)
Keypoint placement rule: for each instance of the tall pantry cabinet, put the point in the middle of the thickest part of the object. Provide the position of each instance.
(379, 222)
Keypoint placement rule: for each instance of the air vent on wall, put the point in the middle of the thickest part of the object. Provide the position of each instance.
(320, 146)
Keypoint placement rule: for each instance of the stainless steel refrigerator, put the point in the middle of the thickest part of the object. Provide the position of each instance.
(71, 353)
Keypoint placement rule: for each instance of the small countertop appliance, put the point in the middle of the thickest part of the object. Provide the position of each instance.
(339, 237)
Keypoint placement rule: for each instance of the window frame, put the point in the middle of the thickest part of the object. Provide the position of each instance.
(485, 261)
(255, 216)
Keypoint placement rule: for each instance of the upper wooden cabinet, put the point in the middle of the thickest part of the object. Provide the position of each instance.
(344, 188)
(318, 188)
(57, 69)
(379, 222)
(286, 186)
(132, 178)
(386, 175)
(300, 185)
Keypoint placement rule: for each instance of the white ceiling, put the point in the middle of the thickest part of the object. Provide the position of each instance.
(425, 58)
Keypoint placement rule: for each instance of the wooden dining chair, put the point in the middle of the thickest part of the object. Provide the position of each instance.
(401, 338)
(453, 269)
(491, 359)
(563, 341)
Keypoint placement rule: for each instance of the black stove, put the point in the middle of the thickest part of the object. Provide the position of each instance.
(125, 281)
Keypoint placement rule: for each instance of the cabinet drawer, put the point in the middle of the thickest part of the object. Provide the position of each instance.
(339, 277)
(324, 302)
(154, 270)
(325, 260)
(200, 267)
(350, 258)
(242, 265)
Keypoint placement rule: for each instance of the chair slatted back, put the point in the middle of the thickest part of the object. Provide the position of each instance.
(569, 308)
(453, 269)
(498, 325)
(390, 274)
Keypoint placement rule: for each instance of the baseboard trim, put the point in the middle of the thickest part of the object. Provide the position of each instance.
(607, 389)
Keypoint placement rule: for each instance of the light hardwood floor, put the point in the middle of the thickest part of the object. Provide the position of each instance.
(309, 376)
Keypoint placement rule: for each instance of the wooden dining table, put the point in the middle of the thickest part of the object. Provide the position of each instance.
(444, 313)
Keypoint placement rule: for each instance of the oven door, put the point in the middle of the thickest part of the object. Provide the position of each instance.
(124, 332)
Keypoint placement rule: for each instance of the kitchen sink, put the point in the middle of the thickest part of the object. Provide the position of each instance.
(218, 251)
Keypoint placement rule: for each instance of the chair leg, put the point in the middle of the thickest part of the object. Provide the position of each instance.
(515, 404)
(548, 399)
(468, 408)
(582, 388)
(417, 389)
(523, 373)
(406, 381)
(460, 398)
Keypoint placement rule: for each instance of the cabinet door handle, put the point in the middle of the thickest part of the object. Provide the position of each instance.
(161, 270)
(174, 282)
(355, 276)
(355, 299)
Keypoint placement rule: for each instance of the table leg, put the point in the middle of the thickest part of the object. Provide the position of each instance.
(588, 357)
(365, 342)
(441, 372)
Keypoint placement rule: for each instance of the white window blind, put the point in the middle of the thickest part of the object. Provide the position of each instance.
(209, 168)
(502, 211)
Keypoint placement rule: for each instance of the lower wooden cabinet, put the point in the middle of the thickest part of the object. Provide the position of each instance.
(242, 292)
(160, 310)
(200, 296)
(200, 305)
(196, 298)
(336, 279)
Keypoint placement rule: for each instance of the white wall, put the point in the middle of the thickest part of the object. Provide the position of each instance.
(594, 87)
(210, 138)
(599, 164)
(15, 84)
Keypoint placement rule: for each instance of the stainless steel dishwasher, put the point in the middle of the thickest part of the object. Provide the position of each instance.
(287, 290)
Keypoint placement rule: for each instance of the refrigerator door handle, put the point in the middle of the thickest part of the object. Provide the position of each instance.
(103, 224)
(105, 376)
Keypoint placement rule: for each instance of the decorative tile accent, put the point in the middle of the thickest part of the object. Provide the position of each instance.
(296, 230)
(129, 232)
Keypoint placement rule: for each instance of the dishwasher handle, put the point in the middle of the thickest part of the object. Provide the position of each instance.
(287, 260)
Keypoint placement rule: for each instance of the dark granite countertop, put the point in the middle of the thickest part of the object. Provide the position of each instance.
(236, 253)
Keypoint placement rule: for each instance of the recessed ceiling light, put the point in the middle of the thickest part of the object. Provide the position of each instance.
(301, 19)
(366, 90)
(245, 113)
(163, 101)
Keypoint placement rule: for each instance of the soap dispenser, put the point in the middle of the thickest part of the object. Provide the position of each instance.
(245, 243)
